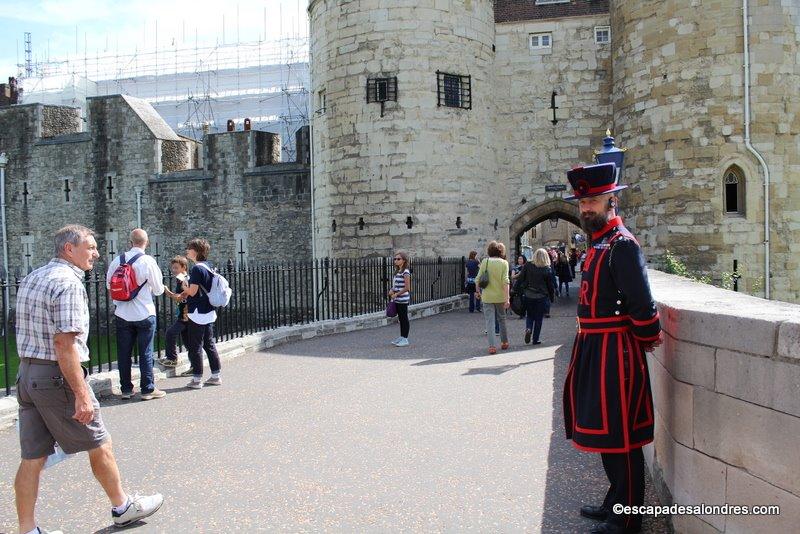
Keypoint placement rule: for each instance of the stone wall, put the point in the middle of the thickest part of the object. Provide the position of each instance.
(128, 151)
(678, 105)
(410, 158)
(534, 152)
(726, 389)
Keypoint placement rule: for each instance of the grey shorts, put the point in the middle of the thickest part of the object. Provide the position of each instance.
(46, 407)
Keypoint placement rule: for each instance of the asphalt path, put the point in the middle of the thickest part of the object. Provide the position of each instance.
(347, 433)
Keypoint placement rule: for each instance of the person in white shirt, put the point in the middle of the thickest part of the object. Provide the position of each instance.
(135, 319)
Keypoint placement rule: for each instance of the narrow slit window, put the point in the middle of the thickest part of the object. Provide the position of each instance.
(67, 190)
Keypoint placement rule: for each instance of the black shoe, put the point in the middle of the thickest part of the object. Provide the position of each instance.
(527, 336)
(536, 343)
(611, 528)
(547, 315)
(594, 512)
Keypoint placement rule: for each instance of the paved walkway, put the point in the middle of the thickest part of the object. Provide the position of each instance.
(347, 433)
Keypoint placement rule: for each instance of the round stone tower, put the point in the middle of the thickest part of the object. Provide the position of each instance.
(402, 126)
(678, 105)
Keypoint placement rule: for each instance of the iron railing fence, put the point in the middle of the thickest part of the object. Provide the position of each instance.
(265, 296)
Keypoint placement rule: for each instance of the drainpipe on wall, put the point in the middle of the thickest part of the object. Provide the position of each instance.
(3, 161)
(750, 146)
(138, 207)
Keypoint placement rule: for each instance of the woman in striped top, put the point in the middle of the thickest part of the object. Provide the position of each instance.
(401, 295)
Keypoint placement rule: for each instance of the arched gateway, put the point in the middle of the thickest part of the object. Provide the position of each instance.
(542, 212)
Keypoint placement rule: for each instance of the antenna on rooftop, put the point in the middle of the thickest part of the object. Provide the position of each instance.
(28, 55)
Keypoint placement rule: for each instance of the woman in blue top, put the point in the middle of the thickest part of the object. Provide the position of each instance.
(401, 295)
(201, 316)
(473, 265)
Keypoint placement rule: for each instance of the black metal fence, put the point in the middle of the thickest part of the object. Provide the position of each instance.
(264, 297)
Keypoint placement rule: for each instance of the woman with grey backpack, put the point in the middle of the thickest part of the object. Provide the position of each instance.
(536, 282)
(201, 316)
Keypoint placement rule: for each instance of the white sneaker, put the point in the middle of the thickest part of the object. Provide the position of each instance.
(402, 342)
(139, 508)
(195, 384)
(395, 341)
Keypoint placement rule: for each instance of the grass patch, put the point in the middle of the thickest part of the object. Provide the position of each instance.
(102, 350)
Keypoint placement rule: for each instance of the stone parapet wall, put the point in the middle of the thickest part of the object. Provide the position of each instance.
(726, 389)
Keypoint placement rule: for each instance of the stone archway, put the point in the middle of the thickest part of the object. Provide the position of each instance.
(541, 212)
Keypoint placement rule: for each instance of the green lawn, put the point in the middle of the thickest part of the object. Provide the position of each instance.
(99, 349)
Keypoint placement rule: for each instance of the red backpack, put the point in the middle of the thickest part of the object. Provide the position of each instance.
(123, 282)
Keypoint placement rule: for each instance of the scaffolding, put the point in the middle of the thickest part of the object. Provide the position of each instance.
(195, 89)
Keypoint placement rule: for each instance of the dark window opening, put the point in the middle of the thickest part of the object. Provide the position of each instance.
(454, 91)
(66, 189)
(382, 90)
(734, 191)
(110, 188)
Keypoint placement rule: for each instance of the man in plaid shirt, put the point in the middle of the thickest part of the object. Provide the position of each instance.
(52, 329)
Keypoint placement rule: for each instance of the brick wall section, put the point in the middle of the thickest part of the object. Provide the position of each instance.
(57, 120)
(174, 156)
(519, 10)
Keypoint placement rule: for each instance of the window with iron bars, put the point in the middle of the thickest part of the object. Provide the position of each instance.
(454, 90)
(382, 90)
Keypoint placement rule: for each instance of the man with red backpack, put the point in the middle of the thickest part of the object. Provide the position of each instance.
(133, 279)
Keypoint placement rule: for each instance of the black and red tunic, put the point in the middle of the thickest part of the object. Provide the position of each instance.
(608, 406)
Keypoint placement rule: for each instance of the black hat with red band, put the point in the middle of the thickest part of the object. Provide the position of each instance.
(593, 180)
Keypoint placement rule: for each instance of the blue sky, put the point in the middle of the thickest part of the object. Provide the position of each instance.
(61, 28)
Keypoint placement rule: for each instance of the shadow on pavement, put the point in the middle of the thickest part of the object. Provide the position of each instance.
(500, 369)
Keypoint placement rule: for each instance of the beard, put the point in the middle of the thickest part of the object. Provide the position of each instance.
(592, 222)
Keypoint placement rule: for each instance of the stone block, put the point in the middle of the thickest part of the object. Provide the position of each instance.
(664, 452)
(674, 401)
(789, 339)
(690, 524)
(762, 381)
(743, 332)
(687, 362)
(699, 479)
(758, 439)
(745, 489)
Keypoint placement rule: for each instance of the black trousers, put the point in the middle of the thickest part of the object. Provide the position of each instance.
(201, 337)
(625, 472)
(402, 316)
(178, 329)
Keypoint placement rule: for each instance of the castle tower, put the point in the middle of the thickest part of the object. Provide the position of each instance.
(678, 104)
(402, 126)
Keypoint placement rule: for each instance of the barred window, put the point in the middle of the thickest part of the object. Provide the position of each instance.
(382, 90)
(734, 184)
(454, 90)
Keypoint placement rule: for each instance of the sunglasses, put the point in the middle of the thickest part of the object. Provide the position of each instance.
(398, 259)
